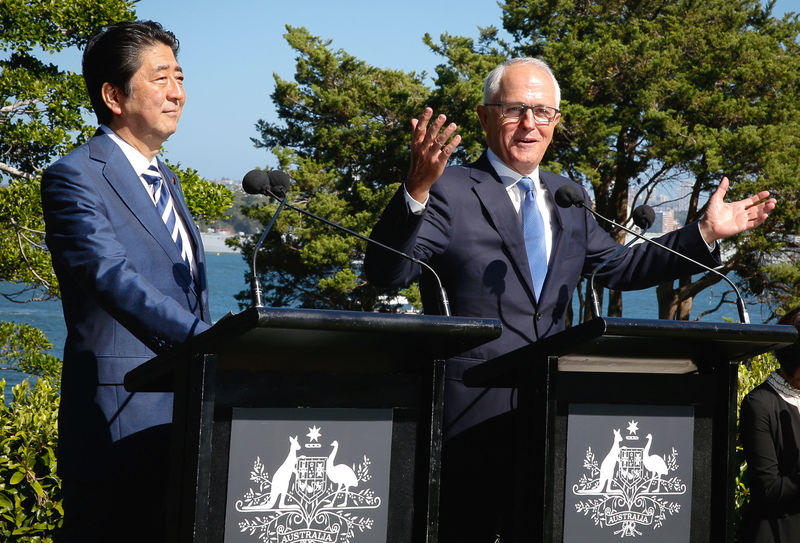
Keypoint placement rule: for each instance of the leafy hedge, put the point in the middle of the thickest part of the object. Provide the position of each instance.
(30, 490)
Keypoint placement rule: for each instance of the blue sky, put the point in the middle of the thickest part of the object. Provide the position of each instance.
(229, 51)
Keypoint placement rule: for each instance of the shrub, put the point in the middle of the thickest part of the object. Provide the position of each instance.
(30, 490)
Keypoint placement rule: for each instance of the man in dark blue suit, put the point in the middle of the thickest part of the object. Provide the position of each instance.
(131, 270)
(465, 221)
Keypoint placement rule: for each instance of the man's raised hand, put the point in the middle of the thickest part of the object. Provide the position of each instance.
(724, 219)
(431, 147)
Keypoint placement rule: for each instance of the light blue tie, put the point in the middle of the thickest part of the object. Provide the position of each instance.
(165, 208)
(533, 230)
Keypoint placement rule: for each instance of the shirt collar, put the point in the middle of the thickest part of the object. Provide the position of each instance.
(508, 176)
(137, 160)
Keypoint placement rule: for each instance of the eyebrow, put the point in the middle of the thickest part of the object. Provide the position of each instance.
(164, 67)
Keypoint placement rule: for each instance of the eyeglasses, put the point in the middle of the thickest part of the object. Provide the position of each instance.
(516, 111)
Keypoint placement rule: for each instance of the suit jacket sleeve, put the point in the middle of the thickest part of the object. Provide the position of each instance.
(398, 228)
(85, 245)
(644, 265)
(641, 266)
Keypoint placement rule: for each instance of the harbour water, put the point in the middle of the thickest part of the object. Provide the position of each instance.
(228, 275)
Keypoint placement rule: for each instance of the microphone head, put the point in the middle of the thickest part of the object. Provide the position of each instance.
(569, 195)
(256, 182)
(279, 183)
(644, 216)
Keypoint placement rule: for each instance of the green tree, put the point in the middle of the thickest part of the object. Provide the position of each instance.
(238, 222)
(459, 84)
(41, 118)
(207, 201)
(30, 489)
(343, 138)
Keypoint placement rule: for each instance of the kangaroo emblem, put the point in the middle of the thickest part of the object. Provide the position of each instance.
(283, 476)
(609, 463)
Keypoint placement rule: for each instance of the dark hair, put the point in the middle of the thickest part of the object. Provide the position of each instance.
(115, 54)
(789, 357)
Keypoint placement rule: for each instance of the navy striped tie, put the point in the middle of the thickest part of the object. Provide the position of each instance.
(533, 230)
(165, 208)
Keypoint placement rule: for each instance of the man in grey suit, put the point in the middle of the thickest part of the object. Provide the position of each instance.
(511, 253)
(131, 269)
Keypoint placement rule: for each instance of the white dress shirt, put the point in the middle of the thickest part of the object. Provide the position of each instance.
(140, 165)
(510, 179)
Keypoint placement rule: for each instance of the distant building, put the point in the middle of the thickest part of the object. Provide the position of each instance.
(228, 183)
(214, 241)
(668, 222)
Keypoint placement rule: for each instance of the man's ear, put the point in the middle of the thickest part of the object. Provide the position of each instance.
(558, 120)
(482, 115)
(112, 96)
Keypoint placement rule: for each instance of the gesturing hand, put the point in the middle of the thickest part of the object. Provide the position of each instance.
(724, 219)
(431, 148)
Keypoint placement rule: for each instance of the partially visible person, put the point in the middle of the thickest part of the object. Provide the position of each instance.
(131, 268)
(769, 425)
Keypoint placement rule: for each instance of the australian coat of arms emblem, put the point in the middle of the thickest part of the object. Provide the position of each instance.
(633, 487)
(311, 496)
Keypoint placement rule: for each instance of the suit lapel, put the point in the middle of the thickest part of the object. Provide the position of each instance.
(119, 174)
(505, 219)
(122, 178)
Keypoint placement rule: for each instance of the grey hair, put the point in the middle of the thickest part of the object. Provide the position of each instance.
(492, 85)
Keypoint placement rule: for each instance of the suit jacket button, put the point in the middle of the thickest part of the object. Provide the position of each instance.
(538, 316)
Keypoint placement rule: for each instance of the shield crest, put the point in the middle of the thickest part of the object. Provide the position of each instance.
(311, 481)
(630, 465)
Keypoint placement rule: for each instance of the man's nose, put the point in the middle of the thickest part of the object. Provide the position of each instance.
(175, 89)
(527, 119)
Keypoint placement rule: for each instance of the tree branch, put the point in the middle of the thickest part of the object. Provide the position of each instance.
(14, 172)
(18, 105)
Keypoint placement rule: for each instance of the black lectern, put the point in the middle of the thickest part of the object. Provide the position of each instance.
(627, 428)
(297, 425)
